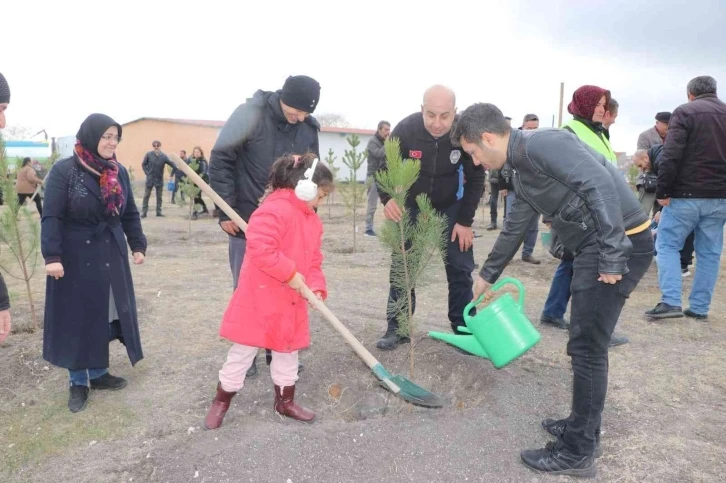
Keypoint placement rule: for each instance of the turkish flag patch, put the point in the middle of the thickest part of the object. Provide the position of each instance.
(415, 154)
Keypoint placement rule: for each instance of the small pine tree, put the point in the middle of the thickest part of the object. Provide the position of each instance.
(413, 242)
(20, 233)
(330, 159)
(353, 191)
(191, 191)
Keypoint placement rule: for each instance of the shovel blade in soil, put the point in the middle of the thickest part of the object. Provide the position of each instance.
(409, 391)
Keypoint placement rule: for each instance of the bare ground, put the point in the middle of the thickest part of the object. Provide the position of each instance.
(664, 419)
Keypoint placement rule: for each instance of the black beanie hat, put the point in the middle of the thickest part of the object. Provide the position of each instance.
(4, 90)
(663, 117)
(301, 92)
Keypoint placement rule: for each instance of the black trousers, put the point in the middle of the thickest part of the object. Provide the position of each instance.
(595, 310)
(38, 204)
(494, 201)
(147, 195)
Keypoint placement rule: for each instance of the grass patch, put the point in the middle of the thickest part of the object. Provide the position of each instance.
(31, 434)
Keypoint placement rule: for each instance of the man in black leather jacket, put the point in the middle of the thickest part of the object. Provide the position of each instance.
(598, 219)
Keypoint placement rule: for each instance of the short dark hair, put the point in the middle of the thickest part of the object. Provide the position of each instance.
(704, 84)
(383, 123)
(613, 106)
(476, 120)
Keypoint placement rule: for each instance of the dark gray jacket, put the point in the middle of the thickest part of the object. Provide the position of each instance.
(588, 200)
(153, 166)
(376, 154)
(254, 136)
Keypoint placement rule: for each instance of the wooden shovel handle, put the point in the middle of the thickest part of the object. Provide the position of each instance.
(364, 354)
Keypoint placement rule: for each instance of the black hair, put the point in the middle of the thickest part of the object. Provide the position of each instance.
(286, 172)
(476, 120)
(26, 161)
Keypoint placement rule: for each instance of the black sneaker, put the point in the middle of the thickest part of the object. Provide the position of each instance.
(78, 398)
(370, 233)
(554, 322)
(391, 340)
(556, 461)
(664, 311)
(159, 214)
(143, 215)
(107, 381)
(530, 259)
(685, 272)
(617, 340)
(694, 315)
(556, 427)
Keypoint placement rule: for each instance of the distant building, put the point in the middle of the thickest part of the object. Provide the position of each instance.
(177, 134)
(39, 150)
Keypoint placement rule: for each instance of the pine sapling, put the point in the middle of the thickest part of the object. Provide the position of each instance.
(353, 192)
(414, 241)
(330, 159)
(19, 233)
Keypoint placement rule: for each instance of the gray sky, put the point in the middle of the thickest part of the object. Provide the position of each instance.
(65, 60)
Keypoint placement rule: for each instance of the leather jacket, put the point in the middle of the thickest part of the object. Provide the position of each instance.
(588, 200)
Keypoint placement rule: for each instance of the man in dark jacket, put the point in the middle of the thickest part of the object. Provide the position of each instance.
(5, 320)
(692, 189)
(376, 157)
(424, 136)
(598, 218)
(267, 126)
(153, 166)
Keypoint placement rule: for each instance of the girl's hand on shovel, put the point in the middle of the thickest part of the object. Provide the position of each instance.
(297, 282)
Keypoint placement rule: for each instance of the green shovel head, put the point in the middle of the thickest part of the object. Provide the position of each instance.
(410, 392)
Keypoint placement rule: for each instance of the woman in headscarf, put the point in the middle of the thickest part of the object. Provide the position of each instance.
(588, 107)
(89, 217)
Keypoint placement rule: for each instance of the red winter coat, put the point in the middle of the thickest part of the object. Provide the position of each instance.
(283, 237)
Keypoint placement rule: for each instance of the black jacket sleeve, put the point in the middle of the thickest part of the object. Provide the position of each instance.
(475, 177)
(131, 222)
(54, 208)
(508, 241)
(574, 165)
(672, 153)
(223, 160)
(146, 165)
(4, 297)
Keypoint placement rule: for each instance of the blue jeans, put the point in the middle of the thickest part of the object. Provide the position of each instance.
(705, 217)
(530, 239)
(80, 377)
(559, 296)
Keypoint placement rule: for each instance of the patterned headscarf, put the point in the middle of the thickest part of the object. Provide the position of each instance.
(585, 99)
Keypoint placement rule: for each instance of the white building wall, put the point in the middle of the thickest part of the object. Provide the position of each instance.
(337, 142)
(65, 146)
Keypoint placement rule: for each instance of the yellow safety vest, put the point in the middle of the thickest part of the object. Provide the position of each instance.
(596, 141)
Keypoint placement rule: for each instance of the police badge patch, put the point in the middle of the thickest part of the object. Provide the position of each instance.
(455, 156)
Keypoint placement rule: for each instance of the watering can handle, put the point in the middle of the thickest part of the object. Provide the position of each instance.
(520, 288)
(495, 287)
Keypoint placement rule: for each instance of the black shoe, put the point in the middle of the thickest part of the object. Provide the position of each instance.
(694, 315)
(252, 371)
(531, 259)
(195, 215)
(143, 215)
(370, 233)
(664, 311)
(556, 427)
(492, 226)
(559, 462)
(107, 381)
(159, 214)
(685, 272)
(554, 322)
(391, 340)
(617, 340)
(78, 398)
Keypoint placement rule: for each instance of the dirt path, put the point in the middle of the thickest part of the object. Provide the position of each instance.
(664, 420)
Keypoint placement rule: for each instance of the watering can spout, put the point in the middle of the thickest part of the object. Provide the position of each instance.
(464, 342)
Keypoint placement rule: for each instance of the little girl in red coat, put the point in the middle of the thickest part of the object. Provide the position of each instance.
(284, 236)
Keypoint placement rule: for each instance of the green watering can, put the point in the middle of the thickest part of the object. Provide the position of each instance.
(500, 332)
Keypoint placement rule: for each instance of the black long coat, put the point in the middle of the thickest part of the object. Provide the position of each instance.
(92, 248)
